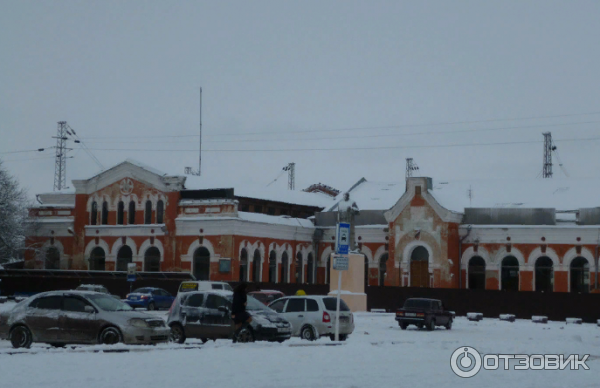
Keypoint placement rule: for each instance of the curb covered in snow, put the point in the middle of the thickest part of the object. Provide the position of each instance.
(539, 319)
(507, 317)
(574, 321)
(474, 317)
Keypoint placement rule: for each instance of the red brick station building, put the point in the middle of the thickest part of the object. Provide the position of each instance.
(537, 235)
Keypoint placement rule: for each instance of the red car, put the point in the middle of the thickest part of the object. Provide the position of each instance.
(267, 296)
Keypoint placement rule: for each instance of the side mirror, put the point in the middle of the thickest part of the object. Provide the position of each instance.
(89, 309)
(223, 309)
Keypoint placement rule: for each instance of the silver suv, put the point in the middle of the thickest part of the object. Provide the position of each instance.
(313, 316)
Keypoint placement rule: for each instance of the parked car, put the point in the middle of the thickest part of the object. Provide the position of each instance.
(207, 315)
(96, 288)
(205, 285)
(313, 316)
(150, 298)
(427, 313)
(79, 317)
(267, 296)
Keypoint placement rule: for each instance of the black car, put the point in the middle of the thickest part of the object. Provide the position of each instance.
(207, 315)
(427, 313)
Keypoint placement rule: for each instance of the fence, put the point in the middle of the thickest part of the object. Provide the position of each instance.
(556, 306)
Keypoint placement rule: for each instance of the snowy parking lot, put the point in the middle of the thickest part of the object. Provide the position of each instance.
(378, 354)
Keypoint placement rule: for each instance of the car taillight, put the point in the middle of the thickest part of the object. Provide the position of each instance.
(400, 313)
(326, 317)
(420, 315)
(144, 297)
(127, 296)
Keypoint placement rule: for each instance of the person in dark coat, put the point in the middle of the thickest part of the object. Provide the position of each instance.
(240, 316)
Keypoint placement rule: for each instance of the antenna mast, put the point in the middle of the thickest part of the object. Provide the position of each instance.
(548, 148)
(200, 154)
(291, 169)
(410, 167)
(60, 161)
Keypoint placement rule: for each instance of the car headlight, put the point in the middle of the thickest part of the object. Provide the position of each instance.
(138, 322)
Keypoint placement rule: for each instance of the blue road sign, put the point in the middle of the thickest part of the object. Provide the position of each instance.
(342, 241)
(131, 278)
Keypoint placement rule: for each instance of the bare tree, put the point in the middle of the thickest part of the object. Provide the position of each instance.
(14, 216)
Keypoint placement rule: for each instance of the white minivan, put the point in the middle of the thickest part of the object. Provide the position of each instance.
(206, 285)
(313, 316)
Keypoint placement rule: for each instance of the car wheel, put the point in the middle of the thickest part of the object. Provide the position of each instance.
(403, 326)
(281, 341)
(431, 325)
(177, 334)
(110, 336)
(343, 337)
(307, 333)
(204, 340)
(246, 335)
(20, 337)
(420, 326)
(57, 345)
(449, 325)
(151, 306)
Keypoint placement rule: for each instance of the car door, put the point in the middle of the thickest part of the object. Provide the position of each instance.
(294, 314)
(158, 298)
(218, 323)
(77, 324)
(167, 299)
(278, 306)
(440, 317)
(42, 318)
(193, 311)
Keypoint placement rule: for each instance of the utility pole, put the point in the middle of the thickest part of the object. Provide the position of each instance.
(291, 169)
(60, 161)
(410, 167)
(548, 148)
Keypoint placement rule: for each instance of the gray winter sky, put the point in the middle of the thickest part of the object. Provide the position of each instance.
(123, 73)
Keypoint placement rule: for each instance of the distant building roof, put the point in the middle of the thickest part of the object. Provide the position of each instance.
(321, 188)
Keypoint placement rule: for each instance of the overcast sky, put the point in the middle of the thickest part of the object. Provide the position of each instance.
(123, 73)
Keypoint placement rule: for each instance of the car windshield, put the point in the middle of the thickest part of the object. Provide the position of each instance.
(108, 303)
(141, 291)
(417, 304)
(252, 304)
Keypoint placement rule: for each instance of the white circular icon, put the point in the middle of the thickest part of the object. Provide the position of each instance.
(126, 186)
(465, 362)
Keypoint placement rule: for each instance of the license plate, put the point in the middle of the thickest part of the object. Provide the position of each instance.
(134, 298)
(283, 330)
(410, 314)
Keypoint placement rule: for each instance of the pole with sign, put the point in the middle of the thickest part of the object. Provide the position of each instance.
(131, 270)
(340, 263)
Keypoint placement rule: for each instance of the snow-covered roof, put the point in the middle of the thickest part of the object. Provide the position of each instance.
(246, 190)
(255, 217)
(557, 193)
(373, 195)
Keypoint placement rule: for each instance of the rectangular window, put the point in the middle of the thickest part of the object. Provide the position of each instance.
(312, 305)
(195, 300)
(257, 209)
(295, 305)
(331, 304)
(271, 211)
(224, 265)
(245, 207)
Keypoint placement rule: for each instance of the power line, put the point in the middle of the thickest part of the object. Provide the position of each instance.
(27, 159)
(23, 151)
(359, 137)
(365, 128)
(346, 149)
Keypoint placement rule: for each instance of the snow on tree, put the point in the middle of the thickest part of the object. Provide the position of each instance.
(14, 216)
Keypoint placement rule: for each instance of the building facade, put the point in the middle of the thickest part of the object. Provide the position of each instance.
(411, 233)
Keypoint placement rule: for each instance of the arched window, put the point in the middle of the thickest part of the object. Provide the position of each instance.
(105, 213)
(124, 257)
(544, 274)
(121, 213)
(244, 265)
(310, 269)
(152, 260)
(382, 268)
(477, 273)
(256, 266)
(131, 213)
(52, 258)
(97, 259)
(299, 267)
(148, 213)
(94, 215)
(272, 267)
(285, 262)
(510, 273)
(202, 264)
(580, 275)
(366, 272)
(160, 211)
(419, 267)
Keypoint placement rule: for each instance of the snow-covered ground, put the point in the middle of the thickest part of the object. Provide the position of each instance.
(378, 354)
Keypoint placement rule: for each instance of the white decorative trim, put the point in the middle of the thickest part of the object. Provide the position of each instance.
(572, 255)
(365, 250)
(551, 254)
(189, 257)
(130, 243)
(406, 254)
(102, 244)
(61, 250)
(469, 253)
(146, 245)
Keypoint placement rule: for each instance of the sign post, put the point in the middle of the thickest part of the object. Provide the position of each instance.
(340, 263)
(131, 270)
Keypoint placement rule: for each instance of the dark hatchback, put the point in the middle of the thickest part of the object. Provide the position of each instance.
(207, 315)
(427, 313)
